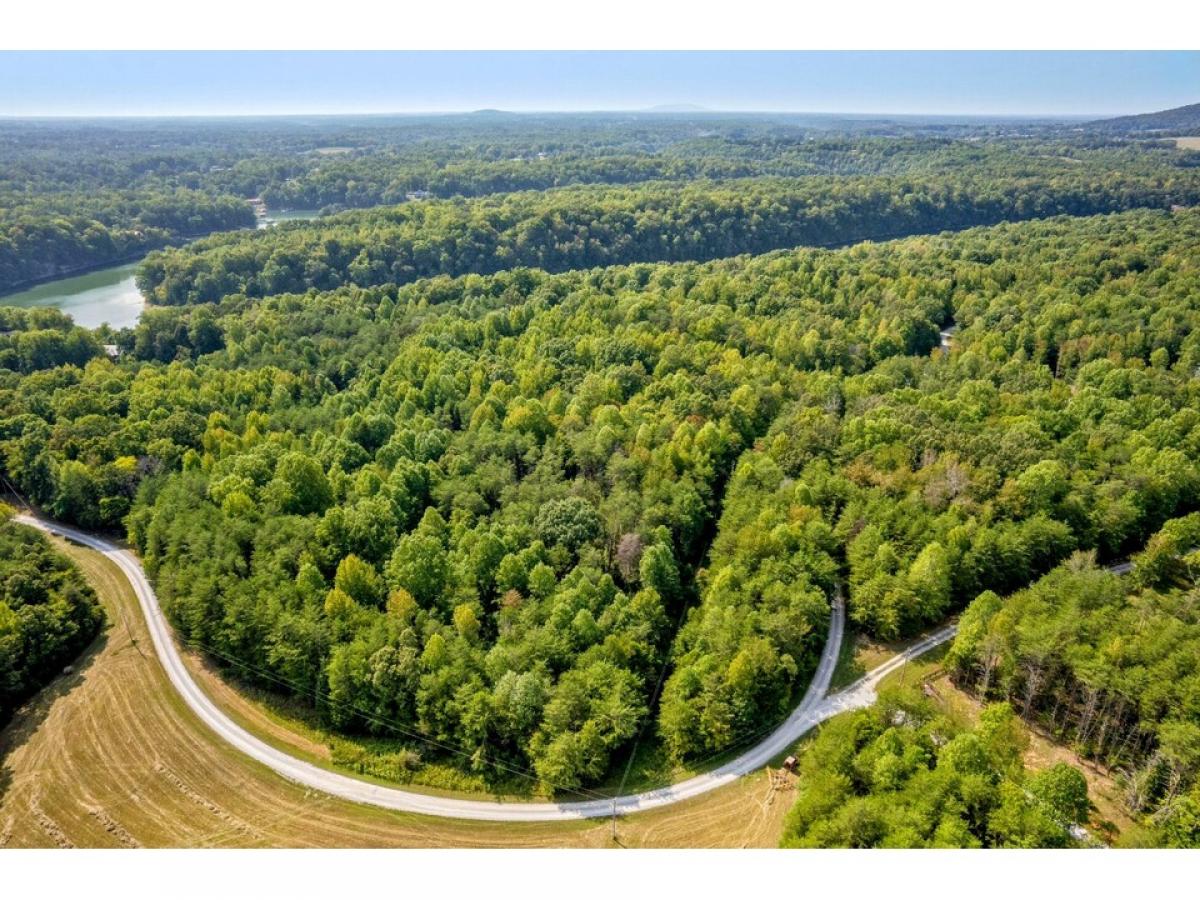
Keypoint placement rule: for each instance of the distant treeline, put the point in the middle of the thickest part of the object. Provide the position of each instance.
(586, 227)
(363, 179)
(78, 195)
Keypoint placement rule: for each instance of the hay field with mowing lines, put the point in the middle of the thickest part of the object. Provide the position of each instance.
(109, 756)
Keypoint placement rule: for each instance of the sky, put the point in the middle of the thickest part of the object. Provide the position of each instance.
(890, 82)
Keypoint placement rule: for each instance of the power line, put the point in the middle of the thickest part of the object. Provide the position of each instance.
(386, 722)
(662, 672)
(14, 491)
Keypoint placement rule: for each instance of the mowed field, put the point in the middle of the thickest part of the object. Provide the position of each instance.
(1188, 143)
(108, 756)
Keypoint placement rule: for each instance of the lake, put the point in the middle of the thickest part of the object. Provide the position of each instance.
(109, 295)
(106, 295)
(287, 215)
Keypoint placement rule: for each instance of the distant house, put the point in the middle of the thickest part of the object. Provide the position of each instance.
(417, 195)
(113, 351)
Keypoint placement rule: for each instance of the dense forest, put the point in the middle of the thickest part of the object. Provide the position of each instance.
(480, 515)
(585, 227)
(35, 339)
(556, 436)
(48, 613)
(357, 177)
(901, 775)
(78, 194)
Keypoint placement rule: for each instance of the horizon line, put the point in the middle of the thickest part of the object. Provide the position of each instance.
(263, 114)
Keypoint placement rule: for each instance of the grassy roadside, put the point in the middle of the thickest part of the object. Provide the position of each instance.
(294, 727)
(860, 654)
(109, 756)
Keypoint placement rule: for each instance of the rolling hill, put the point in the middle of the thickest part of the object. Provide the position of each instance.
(1180, 120)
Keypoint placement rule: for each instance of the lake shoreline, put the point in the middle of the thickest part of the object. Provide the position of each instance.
(74, 272)
(90, 298)
(113, 263)
(107, 292)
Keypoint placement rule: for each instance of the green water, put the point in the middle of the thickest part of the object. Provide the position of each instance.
(287, 215)
(110, 295)
(106, 295)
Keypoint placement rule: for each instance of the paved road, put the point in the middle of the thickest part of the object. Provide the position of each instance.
(816, 706)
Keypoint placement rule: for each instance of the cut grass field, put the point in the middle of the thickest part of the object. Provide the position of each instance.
(109, 756)
(1188, 143)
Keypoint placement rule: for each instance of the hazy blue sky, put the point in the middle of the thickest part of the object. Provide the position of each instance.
(120, 83)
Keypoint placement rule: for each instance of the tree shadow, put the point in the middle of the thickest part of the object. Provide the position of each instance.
(33, 712)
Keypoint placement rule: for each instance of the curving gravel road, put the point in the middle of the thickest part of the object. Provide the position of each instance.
(816, 706)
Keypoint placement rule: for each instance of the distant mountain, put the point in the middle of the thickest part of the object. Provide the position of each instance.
(678, 107)
(1181, 120)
